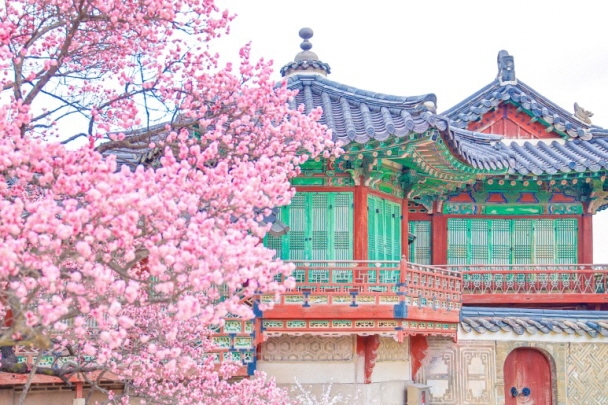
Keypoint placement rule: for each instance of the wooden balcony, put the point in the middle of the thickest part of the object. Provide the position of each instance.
(533, 283)
(366, 297)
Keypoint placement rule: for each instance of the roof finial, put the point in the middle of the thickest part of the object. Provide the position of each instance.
(506, 68)
(306, 33)
(306, 61)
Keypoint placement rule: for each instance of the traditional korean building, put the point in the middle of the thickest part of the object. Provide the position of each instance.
(451, 251)
(444, 258)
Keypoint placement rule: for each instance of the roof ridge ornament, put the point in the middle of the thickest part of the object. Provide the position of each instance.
(306, 61)
(581, 114)
(506, 68)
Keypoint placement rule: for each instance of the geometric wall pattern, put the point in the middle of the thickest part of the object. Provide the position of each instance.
(459, 374)
(308, 348)
(391, 350)
(587, 371)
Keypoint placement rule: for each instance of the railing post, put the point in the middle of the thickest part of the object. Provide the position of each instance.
(402, 270)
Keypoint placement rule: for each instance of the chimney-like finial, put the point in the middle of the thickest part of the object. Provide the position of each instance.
(306, 61)
(506, 68)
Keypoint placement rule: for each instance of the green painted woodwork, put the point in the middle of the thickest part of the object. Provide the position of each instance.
(522, 209)
(320, 228)
(308, 181)
(420, 248)
(384, 235)
(512, 241)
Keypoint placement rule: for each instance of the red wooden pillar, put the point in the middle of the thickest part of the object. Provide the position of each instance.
(360, 247)
(439, 239)
(405, 229)
(79, 390)
(585, 239)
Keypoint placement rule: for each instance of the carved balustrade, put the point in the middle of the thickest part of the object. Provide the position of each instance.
(533, 283)
(358, 289)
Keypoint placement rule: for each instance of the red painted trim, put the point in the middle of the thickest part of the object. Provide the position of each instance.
(561, 198)
(384, 196)
(439, 243)
(557, 298)
(428, 314)
(419, 216)
(324, 189)
(527, 197)
(418, 348)
(508, 122)
(585, 239)
(360, 235)
(330, 312)
(372, 343)
(362, 311)
(496, 197)
(462, 197)
(360, 345)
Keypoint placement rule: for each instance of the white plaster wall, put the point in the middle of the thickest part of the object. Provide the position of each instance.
(286, 372)
(391, 371)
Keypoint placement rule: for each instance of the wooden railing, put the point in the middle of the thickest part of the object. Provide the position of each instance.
(377, 281)
(347, 276)
(533, 283)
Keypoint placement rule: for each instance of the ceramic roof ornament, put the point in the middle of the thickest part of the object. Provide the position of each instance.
(306, 61)
(506, 68)
(582, 114)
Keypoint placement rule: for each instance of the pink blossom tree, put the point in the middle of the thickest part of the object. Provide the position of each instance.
(122, 269)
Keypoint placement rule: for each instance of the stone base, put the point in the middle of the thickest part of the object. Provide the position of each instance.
(381, 393)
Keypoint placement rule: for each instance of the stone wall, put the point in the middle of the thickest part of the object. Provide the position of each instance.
(459, 374)
(472, 371)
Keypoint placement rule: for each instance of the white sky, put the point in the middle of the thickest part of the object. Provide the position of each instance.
(448, 48)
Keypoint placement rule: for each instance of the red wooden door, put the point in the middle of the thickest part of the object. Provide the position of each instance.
(527, 378)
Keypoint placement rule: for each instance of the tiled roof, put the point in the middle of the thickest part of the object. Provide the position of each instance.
(356, 115)
(361, 116)
(534, 321)
(495, 93)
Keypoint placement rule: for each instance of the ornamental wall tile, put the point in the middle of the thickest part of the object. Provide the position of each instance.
(587, 373)
(308, 348)
(391, 350)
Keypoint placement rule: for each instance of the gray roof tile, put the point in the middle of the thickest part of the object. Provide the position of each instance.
(533, 321)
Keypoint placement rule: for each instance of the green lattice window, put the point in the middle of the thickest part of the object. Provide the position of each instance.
(420, 248)
(512, 241)
(384, 236)
(320, 228)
